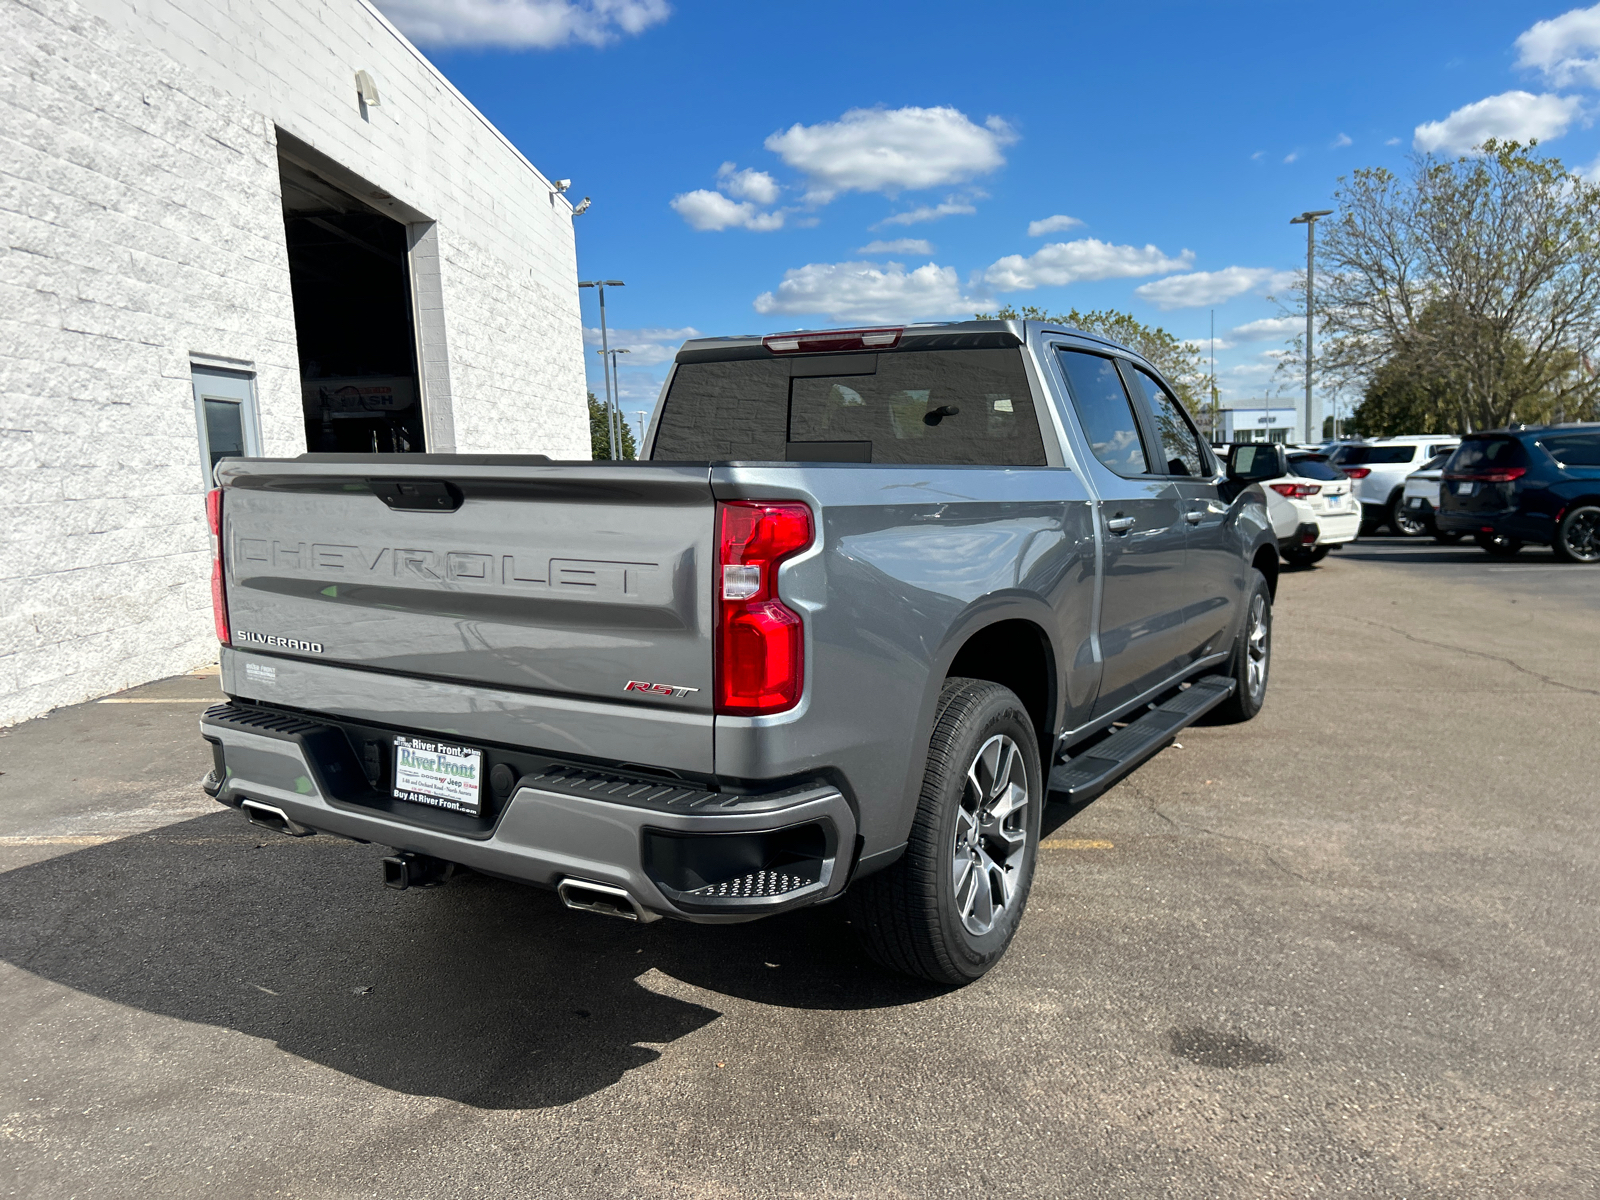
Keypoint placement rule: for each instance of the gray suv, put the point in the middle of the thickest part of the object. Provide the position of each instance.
(873, 598)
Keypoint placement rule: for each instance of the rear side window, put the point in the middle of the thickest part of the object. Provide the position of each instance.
(1575, 449)
(1105, 412)
(1446, 449)
(1478, 454)
(1362, 456)
(932, 407)
(1437, 461)
(1313, 466)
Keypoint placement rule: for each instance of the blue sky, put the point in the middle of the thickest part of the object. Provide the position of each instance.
(887, 162)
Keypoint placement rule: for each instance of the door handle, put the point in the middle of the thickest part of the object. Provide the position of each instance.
(1119, 524)
(1195, 516)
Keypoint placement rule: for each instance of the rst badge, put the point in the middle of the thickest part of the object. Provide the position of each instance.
(658, 689)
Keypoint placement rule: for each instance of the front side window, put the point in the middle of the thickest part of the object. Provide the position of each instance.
(1180, 444)
(1105, 412)
(1575, 449)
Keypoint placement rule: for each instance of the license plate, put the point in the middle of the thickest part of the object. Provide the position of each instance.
(438, 774)
(1335, 501)
(1414, 502)
(1466, 489)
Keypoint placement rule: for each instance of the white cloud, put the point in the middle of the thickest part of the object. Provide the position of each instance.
(1291, 156)
(863, 291)
(1062, 263)
(1515, 116)
(1267, 327)
(1341, 141)
(1565, 49)
(648, 347)
(522, 24)
(1210, 287)
(748, 184)
(929, 212)
(1205, 345)
(1053, 224)
(1257, 155)
(892, 150)
(898, 246)
(712, 210)
(1392, 142)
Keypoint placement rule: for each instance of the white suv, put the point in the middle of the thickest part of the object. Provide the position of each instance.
(1378, 468)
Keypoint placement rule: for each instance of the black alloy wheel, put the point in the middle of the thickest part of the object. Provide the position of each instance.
(1578, 535)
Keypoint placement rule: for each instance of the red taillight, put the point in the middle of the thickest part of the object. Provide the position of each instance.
(761, 641)
(1298, 490)
(812, 342)
(219, 598)
(1357, 472)
(1497, 475)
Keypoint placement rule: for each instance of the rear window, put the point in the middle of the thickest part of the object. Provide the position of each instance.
(1477, 454)
(1437, 461)
(1575, 449)
(1361, 456)
(1313, 466)
(929, 407)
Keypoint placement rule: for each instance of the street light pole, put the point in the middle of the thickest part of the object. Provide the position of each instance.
(616, 384)
(601, 285)
(1309, 220)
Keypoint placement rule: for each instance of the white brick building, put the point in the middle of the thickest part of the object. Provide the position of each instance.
(177, 178)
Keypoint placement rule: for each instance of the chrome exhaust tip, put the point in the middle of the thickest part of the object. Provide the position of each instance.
(604, 899)
(275, 819)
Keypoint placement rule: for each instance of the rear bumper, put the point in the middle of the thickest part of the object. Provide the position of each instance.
(662, 842)
(1525, 527)
(1335, 529)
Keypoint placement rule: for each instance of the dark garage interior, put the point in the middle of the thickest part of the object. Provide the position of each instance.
(353, 318)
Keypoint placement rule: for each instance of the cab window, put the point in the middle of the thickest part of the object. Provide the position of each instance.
(1105, 411)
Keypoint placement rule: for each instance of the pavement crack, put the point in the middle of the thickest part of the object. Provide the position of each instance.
(1499, 658)
(1232, 837)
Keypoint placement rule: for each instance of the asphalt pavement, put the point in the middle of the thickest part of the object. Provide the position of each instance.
(1348, 948)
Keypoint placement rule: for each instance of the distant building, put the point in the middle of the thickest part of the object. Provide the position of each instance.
(1257, 421)
(231, 228)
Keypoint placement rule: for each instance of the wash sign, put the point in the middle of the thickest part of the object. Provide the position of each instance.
(438, 774)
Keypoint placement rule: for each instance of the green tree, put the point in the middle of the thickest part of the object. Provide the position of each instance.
(600, 439)
(1466, 294)
(1182, 364)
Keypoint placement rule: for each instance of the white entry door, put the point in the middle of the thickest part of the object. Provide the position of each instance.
(225, 412)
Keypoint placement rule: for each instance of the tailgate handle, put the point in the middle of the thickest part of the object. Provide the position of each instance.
(417, 495)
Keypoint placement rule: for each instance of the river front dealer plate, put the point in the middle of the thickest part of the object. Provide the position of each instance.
(438, 774)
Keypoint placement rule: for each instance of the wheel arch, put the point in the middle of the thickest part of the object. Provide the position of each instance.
(1265, 560)
(1016, 653)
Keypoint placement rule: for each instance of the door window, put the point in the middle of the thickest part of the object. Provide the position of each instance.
(1575, 449)
(1105, 411)
(1180, 444)
(225, 413)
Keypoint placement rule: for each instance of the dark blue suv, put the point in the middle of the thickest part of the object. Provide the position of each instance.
(1508, 487)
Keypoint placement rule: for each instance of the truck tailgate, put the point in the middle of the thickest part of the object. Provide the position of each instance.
(565, 580)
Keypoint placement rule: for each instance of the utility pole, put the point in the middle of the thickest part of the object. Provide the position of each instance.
(613, 435)
(1309, 220)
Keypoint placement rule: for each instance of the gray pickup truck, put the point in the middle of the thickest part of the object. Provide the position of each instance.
(874, 596)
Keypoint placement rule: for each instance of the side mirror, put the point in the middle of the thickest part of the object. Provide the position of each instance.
(1251, 464)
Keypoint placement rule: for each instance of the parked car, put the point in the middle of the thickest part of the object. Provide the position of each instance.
(1541, 484)
(872, 597)
(1379, 467)
(1308, 500)
(1420, 499)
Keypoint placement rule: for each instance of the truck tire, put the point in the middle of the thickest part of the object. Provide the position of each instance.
(1252, 659)
(1497, 544)
(947, 909)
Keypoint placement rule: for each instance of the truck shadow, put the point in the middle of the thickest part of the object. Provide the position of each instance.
(483, 992)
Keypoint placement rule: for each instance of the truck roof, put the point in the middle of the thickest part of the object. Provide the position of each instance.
(921, 335)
